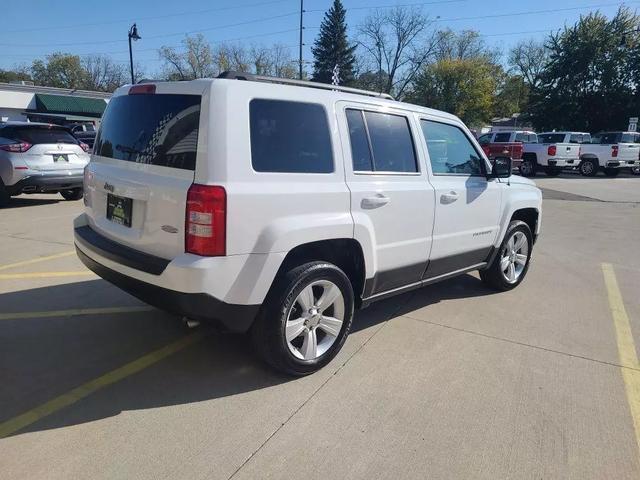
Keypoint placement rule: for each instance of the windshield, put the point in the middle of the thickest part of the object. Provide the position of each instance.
(152, 129)
(551, 138)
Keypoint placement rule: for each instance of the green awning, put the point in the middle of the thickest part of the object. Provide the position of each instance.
(92, 107)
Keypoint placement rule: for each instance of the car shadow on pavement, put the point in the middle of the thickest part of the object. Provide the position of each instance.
(18, 202)
(43, 358)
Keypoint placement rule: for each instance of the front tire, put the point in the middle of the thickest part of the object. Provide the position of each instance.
(588, 167)
(73, 194)
(612, 172)
(305, 320)
(511, 263)
(4, 196)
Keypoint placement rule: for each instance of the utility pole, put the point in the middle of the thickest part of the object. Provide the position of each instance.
(301, 28)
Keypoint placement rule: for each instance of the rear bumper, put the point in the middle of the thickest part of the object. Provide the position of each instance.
(563, 162)
(198, 306)
(623, 164)
(95, 251)
(45, 183)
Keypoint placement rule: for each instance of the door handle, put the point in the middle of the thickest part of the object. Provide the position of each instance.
(447, 198)
(377, 201)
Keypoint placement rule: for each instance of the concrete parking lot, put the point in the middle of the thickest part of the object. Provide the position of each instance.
(451, 381)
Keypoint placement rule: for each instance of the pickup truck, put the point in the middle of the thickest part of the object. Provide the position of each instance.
(610, 152)
(501, 145)
(552, 152)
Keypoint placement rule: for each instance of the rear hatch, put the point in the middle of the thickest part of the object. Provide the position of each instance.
(629, 147)
(52, 147)
(143, 164)
(563, 150)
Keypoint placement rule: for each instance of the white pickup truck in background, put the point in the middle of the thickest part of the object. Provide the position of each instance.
(610, 152)
(550, 153)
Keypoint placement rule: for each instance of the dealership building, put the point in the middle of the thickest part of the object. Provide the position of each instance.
(25, 102)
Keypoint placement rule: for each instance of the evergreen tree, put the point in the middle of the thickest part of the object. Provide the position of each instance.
(332, 48)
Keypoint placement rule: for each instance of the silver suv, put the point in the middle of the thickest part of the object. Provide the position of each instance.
(40, 158)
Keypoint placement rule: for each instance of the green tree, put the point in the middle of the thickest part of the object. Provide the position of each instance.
(14, 75)
(590, 82)
(464, 87)
(512, 95)
(59, 70)
(332, 48)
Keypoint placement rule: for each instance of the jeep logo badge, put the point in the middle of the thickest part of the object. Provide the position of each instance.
(108, 187)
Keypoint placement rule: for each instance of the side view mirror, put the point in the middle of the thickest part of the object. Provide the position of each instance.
(501, 168)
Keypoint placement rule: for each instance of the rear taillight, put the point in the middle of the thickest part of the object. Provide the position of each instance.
(551, 151)
(84, 146)
(206, 220)
(16, 147)
(145, 88)
(614, 150)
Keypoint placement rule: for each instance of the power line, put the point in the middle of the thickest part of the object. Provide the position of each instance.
(102, 42)
(157, 17)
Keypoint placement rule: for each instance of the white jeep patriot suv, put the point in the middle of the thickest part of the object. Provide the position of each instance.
(277, 207)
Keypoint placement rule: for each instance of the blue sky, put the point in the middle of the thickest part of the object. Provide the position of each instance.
(32, 29)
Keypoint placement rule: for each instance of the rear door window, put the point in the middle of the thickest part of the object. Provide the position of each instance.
(39, 134)
(156, 129)
(291, 137)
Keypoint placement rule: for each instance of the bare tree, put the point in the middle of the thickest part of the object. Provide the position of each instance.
(283, 65)
(398, 43)
(261, 59)
(196, 61)
(529, 58)
(102, 73)
(467, 44)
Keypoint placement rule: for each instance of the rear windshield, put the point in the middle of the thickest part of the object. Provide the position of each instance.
(630, 138)
(580, 138)
(551, 138)
(38, 134)
(153, 129)
(502, 138)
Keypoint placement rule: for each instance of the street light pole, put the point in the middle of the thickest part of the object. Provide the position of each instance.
(301, 28)
(133, 35)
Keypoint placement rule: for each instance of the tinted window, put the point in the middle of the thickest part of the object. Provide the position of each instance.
(629, 138)
(36, 134)
(551, 138)
(290, 137)
(391, 142)
(450, 151)
(502, 138)
(360, 152)
(484, 139)
(607, 138)
(580, 138)
(152, 129)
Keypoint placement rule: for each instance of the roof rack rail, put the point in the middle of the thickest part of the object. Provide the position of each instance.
(233, 75)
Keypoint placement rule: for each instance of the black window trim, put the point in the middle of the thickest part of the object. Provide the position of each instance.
(326, 114)
(404, 115)
(466, 175)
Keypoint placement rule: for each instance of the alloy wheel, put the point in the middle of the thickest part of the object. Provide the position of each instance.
(315, 320)
(514, 257)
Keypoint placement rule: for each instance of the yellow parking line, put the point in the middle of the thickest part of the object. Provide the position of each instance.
(18, 276)
(74, 312)
(36, 260)
(626, 347)
(78, 393)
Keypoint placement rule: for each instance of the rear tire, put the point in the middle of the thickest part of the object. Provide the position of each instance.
(528, 168)
(552, 171)
(305, 320)
(73, 194)
(511, 263)
(612, 172)
(588, 167)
